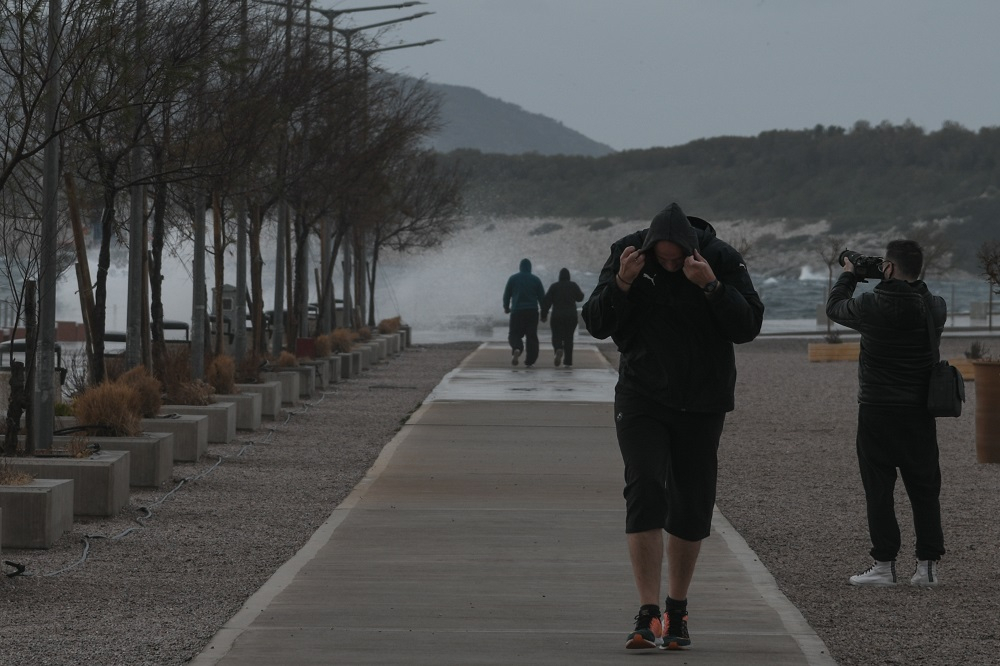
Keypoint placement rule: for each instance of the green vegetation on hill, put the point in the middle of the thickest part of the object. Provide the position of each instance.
(869, 176)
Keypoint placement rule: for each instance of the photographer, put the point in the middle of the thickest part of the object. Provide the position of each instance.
(895, 430)
(674, 298)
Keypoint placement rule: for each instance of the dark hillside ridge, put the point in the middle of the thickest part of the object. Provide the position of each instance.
(473, 120)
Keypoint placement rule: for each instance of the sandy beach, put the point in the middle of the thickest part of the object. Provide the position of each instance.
(788, 483)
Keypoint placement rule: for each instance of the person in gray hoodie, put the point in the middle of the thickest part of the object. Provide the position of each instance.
(675, 299)
(521, 298)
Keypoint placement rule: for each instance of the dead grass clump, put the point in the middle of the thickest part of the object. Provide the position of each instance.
(12, 477)
(113, 408)
(286, 359)
(341, 340)
(114, 366)
(390, 325)
(78, 446)
(364, 334)
(194, 392)
(322, 346)
(148, 390)
(248, 370)
(221, 374)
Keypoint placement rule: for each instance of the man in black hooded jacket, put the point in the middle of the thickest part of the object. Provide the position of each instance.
(674, 298)
(895, 430)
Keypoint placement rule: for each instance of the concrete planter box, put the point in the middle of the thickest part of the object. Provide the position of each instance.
(382, 348)
(289, 385)
(350, 364)
(367, 356)
(36, 514)
(221, 419)
(100, 482)
(321, 370)
(270, 397)
(151, 455)
(248, 408)
(333, 368)
(407, 335)
(190, 434)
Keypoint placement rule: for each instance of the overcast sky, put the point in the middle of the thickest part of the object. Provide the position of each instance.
(643, 73)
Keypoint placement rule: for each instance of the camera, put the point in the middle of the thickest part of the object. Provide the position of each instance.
(864, 266)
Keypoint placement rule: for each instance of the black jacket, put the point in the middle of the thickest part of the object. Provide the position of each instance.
(896, 356)
(677, 345)
(562, 297)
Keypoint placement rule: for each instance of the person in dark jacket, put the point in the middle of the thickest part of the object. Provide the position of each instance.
(895, 430)
(674, 298)
(562, 297)
(521, 299)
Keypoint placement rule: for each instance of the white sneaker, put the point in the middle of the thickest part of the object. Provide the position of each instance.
(926, 574)
(880, 573)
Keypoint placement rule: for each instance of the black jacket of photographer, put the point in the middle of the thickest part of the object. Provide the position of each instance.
(896, 356)
(676, 344)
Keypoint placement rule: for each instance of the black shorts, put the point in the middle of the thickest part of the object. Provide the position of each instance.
(671, 466)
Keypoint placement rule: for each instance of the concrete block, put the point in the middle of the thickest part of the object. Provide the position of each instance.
(100, 481)
(248, 408)
(333, 368)
(151, 455)
(190, 433)
(36, 514)
(221, 419)
(320, 368)
(270, 397)
(289, 385)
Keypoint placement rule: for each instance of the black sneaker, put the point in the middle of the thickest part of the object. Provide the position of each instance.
(675, 633)
(514, 355)
(646, 634)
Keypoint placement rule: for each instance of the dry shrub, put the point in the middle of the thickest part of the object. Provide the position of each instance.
(194, 392)
(112, 407)
(248, 370)
(221, 374)
(148, 390)
(78, 446)
(341, 340)
(322, 346)
(286, 359)
(390, 325)
(364, 334)
(12, 477)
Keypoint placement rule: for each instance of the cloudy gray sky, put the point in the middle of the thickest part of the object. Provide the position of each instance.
(643, 73)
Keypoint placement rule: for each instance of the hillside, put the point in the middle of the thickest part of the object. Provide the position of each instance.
(473, 120)
(866, 178)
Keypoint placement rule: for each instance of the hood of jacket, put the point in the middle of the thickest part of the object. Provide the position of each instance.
(525, 265)
(563, 274)
(671, 224)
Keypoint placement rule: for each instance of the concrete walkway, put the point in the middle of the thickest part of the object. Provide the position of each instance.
(490, 531)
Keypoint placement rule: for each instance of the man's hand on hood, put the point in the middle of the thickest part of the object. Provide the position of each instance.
(697, 270)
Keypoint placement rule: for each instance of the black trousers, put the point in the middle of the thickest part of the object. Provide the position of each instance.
(903, 438)
(563, 328)
(524, 325)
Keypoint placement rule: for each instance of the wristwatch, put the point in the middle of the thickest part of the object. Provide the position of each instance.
(711, 287)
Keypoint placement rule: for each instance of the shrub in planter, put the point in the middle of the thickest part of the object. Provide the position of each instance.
(221, 374)
(149, 392)
(286, 359)
(194, 392)
(112, 407)
(390, 325)
(364, 334)
(248, 370)
(322, 346)
(341, 340)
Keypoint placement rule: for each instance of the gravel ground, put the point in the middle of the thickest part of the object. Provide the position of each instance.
(788, 482)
